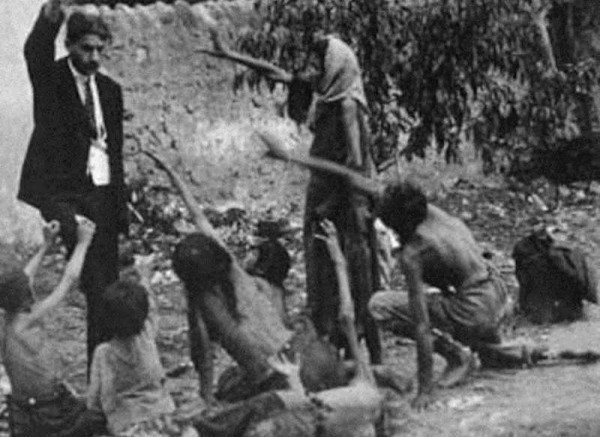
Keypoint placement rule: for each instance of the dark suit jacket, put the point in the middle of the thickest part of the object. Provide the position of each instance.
(56, 159)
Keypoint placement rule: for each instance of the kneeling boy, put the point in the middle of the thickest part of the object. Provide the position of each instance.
(41, 404)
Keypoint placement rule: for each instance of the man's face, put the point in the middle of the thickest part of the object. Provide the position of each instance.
(86, 52)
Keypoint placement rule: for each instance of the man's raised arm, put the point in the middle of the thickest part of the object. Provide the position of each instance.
(39, 47)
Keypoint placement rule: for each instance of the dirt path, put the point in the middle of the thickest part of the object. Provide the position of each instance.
(557, 400)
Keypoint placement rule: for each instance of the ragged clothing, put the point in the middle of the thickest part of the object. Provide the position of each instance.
(127, 381)
(62, 415)
(471, 314)
(329, 197)
(40, 404)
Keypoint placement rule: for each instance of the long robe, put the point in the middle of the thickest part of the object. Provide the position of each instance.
(330, 197)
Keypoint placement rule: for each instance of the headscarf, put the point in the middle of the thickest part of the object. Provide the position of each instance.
(342, 76)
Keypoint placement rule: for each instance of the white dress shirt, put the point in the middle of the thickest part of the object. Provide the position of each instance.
(98, 164)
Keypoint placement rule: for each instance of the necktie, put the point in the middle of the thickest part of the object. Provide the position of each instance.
(89, 110)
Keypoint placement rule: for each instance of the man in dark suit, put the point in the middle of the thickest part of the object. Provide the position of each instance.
(74, 161)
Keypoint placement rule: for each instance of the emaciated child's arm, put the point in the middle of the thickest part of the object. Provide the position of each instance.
(144, 265)
(50, 231)
(346, 310)
(85, 234)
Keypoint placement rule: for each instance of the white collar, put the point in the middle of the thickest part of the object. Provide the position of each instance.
(79, 77)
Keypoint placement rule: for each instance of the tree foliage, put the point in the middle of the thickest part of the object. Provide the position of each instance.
(436, 69)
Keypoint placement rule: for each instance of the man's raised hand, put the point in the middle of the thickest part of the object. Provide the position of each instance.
(54, 10)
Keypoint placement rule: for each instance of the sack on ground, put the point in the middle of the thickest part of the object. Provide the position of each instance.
(554, 278)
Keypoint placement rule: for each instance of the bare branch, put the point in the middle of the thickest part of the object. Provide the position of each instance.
(265, 68)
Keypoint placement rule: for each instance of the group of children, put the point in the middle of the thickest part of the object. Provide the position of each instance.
(126, 393)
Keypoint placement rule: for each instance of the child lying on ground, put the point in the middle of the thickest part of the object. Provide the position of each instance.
(41, 404)
(127, 381)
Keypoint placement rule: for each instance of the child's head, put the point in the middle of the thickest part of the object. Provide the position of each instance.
(126, 305)
(205, 266)
(403, 208)
(200, 260)
(15, 290)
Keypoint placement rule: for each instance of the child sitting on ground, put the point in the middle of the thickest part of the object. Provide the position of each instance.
(40, 403)
(127, 381)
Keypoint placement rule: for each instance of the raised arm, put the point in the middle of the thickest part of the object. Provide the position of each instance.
(412, 270)
(144, 266)
(50, 231)
(85, 234)
(200, 220)
(39, 47)
(346, 311)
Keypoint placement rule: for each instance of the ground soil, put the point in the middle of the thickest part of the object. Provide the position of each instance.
(549, 400)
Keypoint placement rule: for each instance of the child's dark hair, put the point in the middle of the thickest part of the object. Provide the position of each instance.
(273, 262)
(202, 263)
(126, 306)
(403, 207)
(80, 24)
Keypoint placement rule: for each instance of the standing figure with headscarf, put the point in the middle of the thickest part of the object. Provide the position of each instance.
(340, 135)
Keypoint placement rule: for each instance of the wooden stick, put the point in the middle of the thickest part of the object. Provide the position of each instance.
(220, 51)
(278, 150)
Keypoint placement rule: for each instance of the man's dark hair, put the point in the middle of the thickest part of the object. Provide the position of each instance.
(403, 207)
(202, 264)
(80, 24)
(126, 306)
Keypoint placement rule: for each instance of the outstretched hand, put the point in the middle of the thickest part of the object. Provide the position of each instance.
(144, 264)
(330, 237)
(290, 368)
(85, 229)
